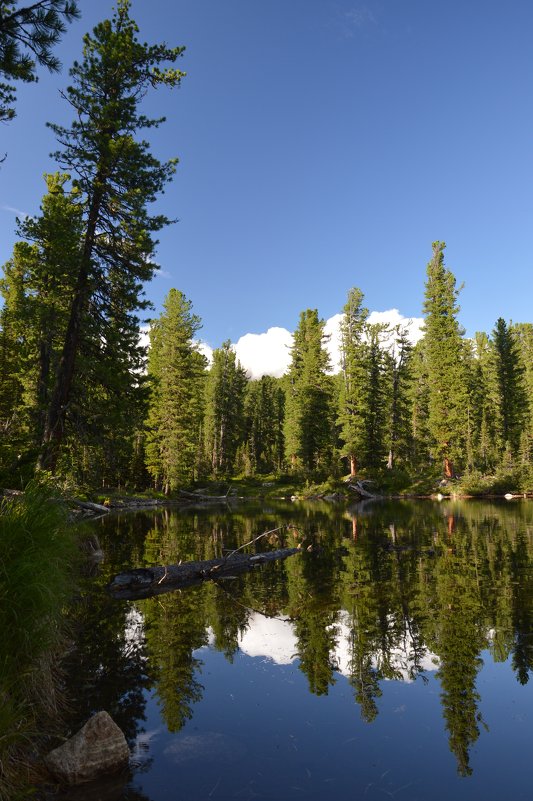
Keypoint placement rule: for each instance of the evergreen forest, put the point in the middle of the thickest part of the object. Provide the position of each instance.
(82, 399)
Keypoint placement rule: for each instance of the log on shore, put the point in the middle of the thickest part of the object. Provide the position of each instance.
(146, 582)
(362, 491)
(199, 498)
(89, 506)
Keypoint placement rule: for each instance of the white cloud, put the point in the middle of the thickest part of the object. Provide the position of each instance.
(265, 354)
(333, 330)
(207, 350)
(14, 210)
(269, 353)
(391, 317)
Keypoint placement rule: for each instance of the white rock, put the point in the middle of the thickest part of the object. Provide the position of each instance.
(98, 748)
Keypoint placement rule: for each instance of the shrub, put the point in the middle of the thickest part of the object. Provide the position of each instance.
(37, 549)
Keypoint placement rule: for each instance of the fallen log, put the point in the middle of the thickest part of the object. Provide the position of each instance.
(362, 491)
(146, 582)
(89, 506)
(197, 496)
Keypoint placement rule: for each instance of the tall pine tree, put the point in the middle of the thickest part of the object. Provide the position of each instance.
(308, 410)
(176, 371)
(353, 395)
(443, 350)
(117, 178)
(224, 418)
(511, 394)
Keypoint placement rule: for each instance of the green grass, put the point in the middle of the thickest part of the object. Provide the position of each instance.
(37, 550)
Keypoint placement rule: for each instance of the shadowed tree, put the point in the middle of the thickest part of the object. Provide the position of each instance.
(308, 409)
(511, 395)
(117, 178)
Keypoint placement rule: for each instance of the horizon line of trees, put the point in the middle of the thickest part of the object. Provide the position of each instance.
(168, 420)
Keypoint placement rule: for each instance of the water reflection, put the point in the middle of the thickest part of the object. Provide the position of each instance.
(387, 592)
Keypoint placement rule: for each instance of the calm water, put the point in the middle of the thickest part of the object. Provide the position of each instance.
(391, 660)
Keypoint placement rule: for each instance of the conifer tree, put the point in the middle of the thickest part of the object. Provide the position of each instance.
(353, 395)
(37, 287)
(308, 409)
(484, 404)
(399, 358)
(376, 406)
(224, 418)
(420, 453)
(176, 371)
(264, 414)
(27, 35)
(523, 334)
(511, 395)
(117, 178)
(443, 348)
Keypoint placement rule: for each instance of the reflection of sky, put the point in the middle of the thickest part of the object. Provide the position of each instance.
(259, 733)
(275, 639)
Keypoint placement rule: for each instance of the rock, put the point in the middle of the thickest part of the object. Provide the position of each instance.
(98, 748)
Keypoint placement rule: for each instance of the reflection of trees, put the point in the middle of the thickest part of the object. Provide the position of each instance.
(380, 594)
(227, 615)
(175, 628)
(418, 579)
(107, 668)
(522, 611)
(314, 606)
(458, 638)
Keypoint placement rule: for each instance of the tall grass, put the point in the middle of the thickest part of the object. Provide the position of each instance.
(37, 550)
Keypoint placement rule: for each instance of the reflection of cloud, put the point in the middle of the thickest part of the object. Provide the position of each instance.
(399, 658)
(141, 747)
(275, 639)
(270, 637)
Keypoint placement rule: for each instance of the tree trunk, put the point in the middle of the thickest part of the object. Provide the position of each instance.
(449, 471)
(146, 582)
(353, 465)
(55, 418)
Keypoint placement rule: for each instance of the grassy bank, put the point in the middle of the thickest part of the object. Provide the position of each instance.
(37, 550)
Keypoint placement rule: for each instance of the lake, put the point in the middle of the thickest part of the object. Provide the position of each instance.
(391, 657)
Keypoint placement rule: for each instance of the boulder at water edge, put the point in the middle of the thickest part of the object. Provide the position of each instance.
(98, 748)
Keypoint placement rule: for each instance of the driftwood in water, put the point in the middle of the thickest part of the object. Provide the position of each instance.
(145, 582)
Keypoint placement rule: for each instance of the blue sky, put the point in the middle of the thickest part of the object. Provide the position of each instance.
(323, 145)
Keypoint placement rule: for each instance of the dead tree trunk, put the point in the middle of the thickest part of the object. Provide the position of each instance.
(146, 582)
